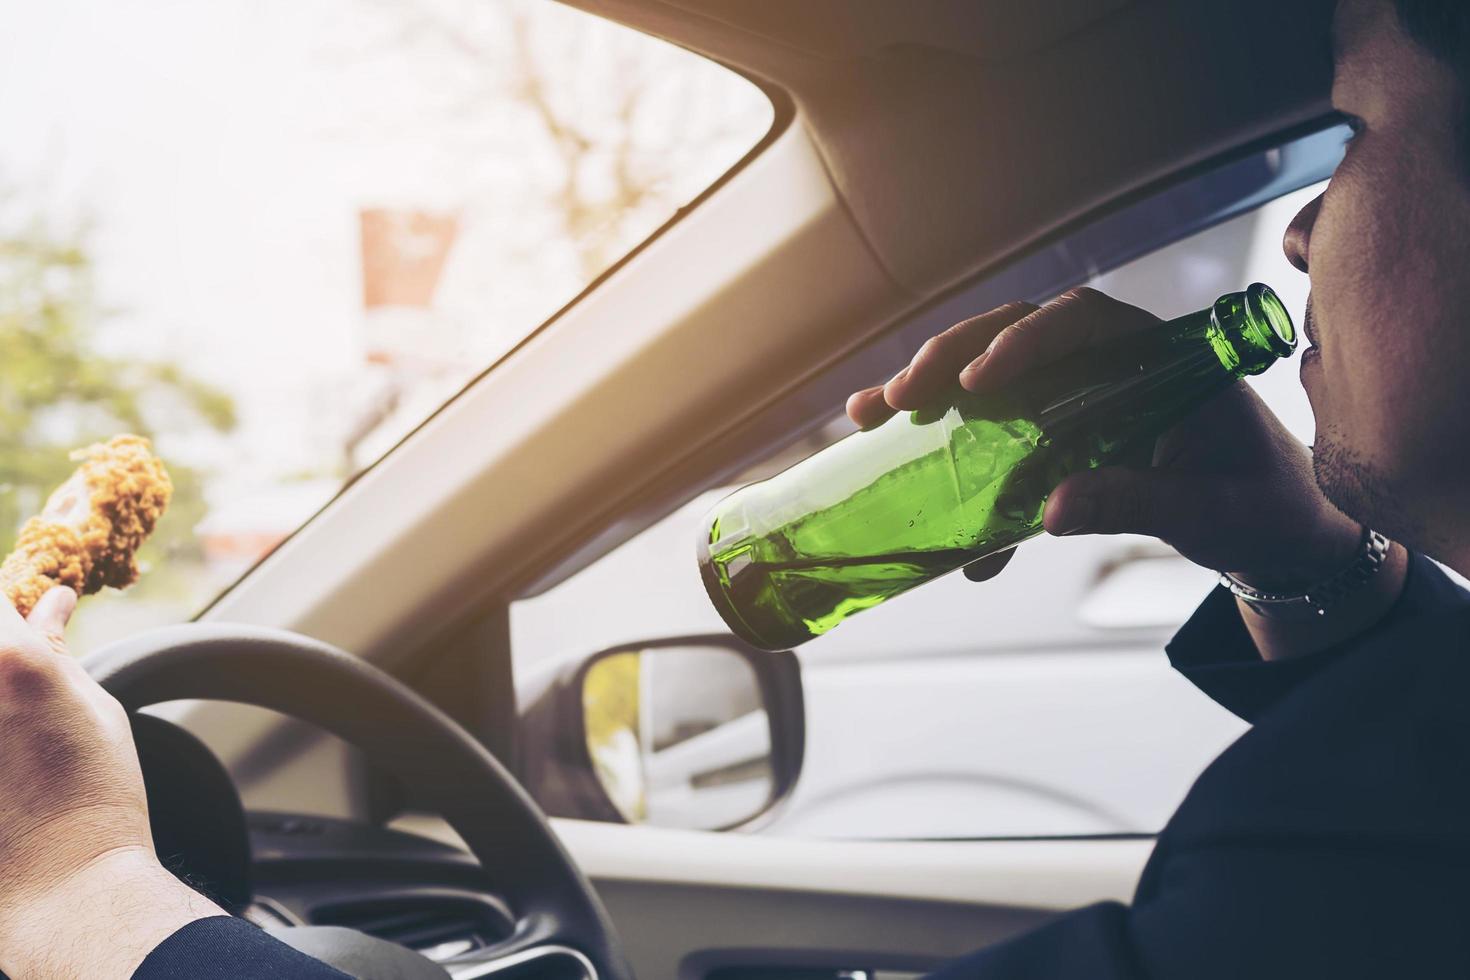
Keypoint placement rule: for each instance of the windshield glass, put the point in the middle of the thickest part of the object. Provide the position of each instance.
(275, 236)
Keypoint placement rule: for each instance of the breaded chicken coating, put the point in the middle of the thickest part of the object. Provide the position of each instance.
(90, 530)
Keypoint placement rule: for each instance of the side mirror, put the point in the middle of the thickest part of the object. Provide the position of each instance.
(701, 733)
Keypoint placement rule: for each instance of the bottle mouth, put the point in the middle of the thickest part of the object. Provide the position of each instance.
(1269, 323)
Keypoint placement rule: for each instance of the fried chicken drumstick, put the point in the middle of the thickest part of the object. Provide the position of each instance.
(89, 532)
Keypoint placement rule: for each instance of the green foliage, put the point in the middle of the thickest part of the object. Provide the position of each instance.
(57, 393)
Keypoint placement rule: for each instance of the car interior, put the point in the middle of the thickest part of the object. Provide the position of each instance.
(352, 747)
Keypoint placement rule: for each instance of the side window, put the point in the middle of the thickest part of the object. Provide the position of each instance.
(1037, 704)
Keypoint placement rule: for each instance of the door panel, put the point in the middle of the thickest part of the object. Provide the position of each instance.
(687, 903)
(688, 931)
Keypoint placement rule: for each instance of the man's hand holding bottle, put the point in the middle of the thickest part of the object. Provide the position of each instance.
(1228, 487)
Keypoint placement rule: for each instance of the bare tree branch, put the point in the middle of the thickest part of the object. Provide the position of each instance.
(609, 171)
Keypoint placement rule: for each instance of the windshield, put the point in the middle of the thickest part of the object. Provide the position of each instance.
(275, 236)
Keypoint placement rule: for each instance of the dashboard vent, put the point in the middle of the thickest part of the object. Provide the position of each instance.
(438, 924)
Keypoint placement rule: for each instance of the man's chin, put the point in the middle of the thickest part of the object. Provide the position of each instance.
(1355, 487)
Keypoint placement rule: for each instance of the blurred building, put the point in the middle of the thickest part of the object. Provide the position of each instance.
(410, 363)
(412, 349)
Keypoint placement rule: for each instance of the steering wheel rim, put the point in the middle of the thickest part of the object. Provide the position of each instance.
(438, 760)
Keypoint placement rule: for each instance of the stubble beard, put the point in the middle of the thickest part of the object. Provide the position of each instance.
(1358, 489)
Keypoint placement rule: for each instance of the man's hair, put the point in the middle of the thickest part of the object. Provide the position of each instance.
(1442, 27)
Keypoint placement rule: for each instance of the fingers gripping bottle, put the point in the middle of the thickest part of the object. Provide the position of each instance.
(886, 509)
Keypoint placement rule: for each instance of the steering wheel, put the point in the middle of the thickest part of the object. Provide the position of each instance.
(555, 908)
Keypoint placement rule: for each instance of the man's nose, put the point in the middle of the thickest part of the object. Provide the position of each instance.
(1299, 234)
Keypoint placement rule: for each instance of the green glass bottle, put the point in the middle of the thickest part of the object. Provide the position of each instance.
(884, 510)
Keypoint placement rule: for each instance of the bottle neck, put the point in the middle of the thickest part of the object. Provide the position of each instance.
(1179, 360)
(1180, 363)
(1250, 330)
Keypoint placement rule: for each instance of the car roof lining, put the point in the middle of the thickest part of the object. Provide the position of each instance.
(843, 29)
(958, 132)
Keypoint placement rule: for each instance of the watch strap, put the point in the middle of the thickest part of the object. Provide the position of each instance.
(1320, 598)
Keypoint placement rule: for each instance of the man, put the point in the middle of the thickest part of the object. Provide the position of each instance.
(1330, 841)
(1333, 839)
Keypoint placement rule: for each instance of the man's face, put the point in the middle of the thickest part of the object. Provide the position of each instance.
(1388, 250)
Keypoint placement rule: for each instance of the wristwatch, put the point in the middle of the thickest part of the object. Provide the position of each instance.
(1316, 601)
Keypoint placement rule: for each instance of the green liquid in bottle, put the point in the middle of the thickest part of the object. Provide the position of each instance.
(885, 510)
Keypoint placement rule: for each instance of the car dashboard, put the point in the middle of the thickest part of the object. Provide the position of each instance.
(419, 893)
(281, 870)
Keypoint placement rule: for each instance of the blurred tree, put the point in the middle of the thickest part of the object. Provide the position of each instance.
(564, 140)
(623, 129)
(57, 393)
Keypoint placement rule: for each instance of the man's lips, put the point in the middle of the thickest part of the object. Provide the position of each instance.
(1313, 353)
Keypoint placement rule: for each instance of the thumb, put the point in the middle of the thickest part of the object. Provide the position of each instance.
(51, 614)
(1119, 500)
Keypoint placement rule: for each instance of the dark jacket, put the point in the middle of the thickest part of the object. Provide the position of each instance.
(1332, 840)
(223, 948)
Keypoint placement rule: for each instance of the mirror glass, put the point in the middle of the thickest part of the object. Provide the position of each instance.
(679, 736)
